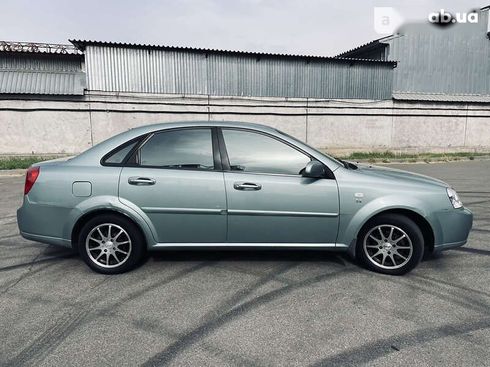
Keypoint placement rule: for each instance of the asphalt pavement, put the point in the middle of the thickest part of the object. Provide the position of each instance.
(262, 308)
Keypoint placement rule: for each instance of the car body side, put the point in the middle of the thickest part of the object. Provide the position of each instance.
(67, 193)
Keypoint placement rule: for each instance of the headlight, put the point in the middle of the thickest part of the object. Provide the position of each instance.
(454, 198)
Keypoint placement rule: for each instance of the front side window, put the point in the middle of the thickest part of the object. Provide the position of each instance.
(254, 152)
(185, 149)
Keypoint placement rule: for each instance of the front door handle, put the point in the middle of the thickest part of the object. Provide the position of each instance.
(246, 186)
(139, 181)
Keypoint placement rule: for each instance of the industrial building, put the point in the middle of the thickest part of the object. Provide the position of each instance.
(398, 93)
(448, 64)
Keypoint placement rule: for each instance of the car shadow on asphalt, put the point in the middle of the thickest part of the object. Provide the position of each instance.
(251, 255)
(310, 255)
(52, 254)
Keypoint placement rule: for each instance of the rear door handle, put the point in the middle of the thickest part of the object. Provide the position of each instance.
(246, 186)
(140, 181)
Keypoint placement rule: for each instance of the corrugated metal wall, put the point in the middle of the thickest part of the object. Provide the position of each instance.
(453, 60)
(41, 74)
(126, 69)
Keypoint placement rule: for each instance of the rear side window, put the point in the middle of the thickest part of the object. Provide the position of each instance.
(182, 149)
(118, 156)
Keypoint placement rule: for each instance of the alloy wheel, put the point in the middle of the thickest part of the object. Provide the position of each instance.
(108, 245)
(388, 246)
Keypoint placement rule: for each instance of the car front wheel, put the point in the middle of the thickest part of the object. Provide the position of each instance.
(111, 244)
(390, 244)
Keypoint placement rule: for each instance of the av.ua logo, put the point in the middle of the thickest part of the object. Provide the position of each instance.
(445, 18)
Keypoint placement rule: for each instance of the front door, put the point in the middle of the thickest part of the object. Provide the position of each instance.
(268, 199)
(174, 181)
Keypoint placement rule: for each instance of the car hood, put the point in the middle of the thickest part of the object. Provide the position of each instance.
(398, 174)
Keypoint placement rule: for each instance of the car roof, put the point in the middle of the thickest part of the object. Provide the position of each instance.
(105, 146)
(170, 125)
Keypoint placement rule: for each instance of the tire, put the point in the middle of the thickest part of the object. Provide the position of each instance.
(123, 249)
(390, 244)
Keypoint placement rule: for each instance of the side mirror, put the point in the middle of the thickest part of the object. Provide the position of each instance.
(314, 169)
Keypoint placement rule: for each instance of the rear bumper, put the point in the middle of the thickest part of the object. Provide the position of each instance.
(448, 246)
(46, 239)
(40, 223)
(455, 227)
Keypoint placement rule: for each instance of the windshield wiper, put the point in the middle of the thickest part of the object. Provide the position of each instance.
(352, 165)
(346, 164)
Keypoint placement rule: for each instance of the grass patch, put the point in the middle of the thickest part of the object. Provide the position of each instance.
(21, 162)
(388, 156)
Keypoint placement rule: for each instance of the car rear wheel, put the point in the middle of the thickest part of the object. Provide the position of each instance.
(111, 244)
(390, 244)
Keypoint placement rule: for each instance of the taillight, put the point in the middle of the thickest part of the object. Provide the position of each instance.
(31, 177)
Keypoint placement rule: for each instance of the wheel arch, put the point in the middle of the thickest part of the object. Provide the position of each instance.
(417, 218)
(83, 219)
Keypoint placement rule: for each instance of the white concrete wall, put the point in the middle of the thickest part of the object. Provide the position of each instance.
(71, 125)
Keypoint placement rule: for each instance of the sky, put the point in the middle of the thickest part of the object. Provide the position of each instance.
(309, 27)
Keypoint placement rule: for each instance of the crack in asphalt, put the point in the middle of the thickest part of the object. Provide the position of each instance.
(154, 327)
(465, 301)
(481, 230)
(461, 287)
(251, 273)
(469, 203)
(51, 338)
(157, 284)
(372, 351)
(22, 276)
(71, 320)
(241, 294)
(8, 237)
(474, 192)
(473, 250)
(7, 217)
(35, 261)
(195, 335)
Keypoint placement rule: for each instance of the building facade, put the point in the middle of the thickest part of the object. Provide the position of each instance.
(62, 99)
(435, 63)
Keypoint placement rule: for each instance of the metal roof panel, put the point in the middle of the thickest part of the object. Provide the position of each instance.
(81, 45)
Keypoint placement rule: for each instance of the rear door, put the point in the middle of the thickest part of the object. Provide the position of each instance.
(175, 179)
(268, 199)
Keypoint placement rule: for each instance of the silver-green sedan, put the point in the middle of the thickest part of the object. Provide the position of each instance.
(227, 185)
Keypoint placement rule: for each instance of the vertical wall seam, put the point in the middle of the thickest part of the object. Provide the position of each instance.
(307, 109)
(392, 133)
(465, 125)
(90, 120)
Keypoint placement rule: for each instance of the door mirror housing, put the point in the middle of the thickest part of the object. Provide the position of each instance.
(314, 169)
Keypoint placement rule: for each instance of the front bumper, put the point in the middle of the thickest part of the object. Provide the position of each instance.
(454, 229)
